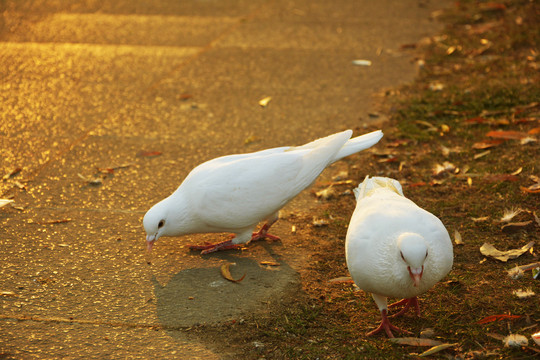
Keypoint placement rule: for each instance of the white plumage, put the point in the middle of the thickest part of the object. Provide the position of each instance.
(234, 193)
(393, 247)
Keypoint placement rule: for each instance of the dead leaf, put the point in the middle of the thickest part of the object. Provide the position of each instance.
(185, 97)
(50, 222)
(419, 183)
(446, 167)
(342, 279)
(361, 62)
(536, 338)
(320, 222)
(327, 193)
(492, 318)
(528, 190)
(482, 154)
(144, 153)
(523, 294)
(226, 273)
(4, 202)
(398, 142)
(516, 226)
(7, 293)
(457, 238)
(488, 143)
(489, 250)
(436, 349)
(477, 120)
(517, 172)
(510, 135)
(534, 131)
(415, 341)
(492, 6)
(12, 173)
(269, 263)
(91, 181)
(501, 177)
(265, 101)
(515, 340)
(480, 219)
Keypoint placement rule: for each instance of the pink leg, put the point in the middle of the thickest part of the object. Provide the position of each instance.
(386, 326)
(208, 248)
(263, 233)
(408, 303)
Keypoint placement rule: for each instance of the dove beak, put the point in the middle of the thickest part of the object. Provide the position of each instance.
(150, 240)
(416, 275)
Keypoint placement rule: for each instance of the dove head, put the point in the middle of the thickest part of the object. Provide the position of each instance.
(155, 223)
(414, 251)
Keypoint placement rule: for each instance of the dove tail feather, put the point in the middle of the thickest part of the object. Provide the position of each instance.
(358, 144)
(377, 182)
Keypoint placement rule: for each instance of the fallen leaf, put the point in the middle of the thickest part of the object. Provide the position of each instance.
(515, 340)
(477, 120)
(265, 101)
(419, 183)
(516, 226)
(415, 341)
(501, 177)
(488, 143)
(50, 222)
(144, 153)
(482, 154)
(398, 142)
(534, 131)
(7, 293)
(184, 96)
(510, 135)
(4, 202)
(536, 338)
(528, 190)
(326, 194)
(342, 279)
(269, 263)
(436, 86)
(12, 173)
(439, 169)
(436, 349)
(480, 219)
(523, 294)
(226, 273)
(517, 172)
(492, 318)
(457, 238)
(91, 181)
(320, 222)
(427, 124)
(489, 250)
(361, 62)
(491, 6)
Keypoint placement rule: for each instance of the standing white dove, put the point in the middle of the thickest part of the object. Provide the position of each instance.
(234, 193)
(394, 248)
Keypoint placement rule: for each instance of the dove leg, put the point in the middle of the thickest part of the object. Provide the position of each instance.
(411, 302)
(263, 232)
(385, 323)
(386, 326)
(208, 248)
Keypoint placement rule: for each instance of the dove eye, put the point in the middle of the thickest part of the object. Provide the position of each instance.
(161, 223)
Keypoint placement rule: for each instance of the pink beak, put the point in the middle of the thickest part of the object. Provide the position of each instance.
(150, 240)
(416, 275)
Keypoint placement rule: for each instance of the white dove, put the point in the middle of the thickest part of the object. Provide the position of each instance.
(234, 193)
(394, 248)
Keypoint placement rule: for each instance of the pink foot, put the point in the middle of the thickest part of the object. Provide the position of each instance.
(386, 326)
(263, 234)
(408, 304)
(208, 248)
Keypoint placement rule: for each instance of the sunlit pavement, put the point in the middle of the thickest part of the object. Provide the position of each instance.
(104, 110)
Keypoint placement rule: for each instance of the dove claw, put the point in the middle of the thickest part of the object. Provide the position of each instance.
(408, 304)
(208, 248)
(386, 326)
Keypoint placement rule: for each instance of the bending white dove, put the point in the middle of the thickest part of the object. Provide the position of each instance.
(236, 192)
(394, 248)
